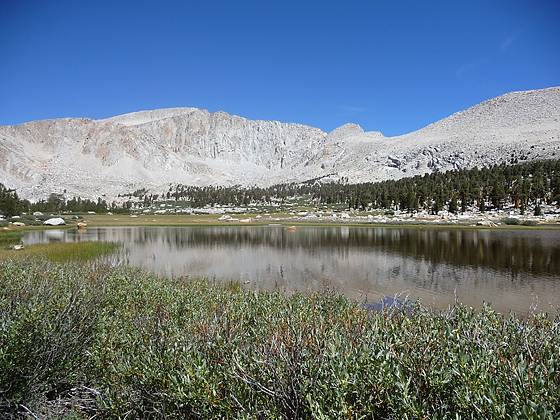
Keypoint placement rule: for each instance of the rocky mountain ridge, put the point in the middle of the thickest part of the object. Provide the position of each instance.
(90, 158)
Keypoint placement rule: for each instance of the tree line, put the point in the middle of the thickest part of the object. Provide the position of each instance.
(523, 186)
(11, 204)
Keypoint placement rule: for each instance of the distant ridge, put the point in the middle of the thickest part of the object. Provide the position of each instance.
(153, 148)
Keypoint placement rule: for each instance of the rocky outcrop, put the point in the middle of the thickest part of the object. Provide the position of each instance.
(150, 149)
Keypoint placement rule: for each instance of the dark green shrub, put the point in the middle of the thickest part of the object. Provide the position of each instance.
(46, 329)
(122, 343)
(529, 223)
(538, 210)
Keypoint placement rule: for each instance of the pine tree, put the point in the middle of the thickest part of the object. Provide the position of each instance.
(498, 194)
(436, 207)
(482, 205)
(538, 210)
(453, 204)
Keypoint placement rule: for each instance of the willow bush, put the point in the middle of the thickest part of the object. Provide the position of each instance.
(87, 340)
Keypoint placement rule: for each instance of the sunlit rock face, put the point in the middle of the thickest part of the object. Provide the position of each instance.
(151, 149)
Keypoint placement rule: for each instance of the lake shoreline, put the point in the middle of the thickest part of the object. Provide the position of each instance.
(513, 268)
(257, 219)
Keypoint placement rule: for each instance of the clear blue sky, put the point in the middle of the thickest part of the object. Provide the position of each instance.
(392, 66)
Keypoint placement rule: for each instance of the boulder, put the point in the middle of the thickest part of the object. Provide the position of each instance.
(55, 221)
(18, 224)
(485, 223)
(37, 213)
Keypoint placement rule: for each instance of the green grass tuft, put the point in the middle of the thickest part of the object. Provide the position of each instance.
(10, 238)
(61, 252)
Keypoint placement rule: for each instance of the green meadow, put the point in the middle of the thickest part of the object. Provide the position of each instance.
(56, 252)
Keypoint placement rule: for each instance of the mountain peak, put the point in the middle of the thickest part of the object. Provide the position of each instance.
(147, 116)
(153, 148)
(345, 131)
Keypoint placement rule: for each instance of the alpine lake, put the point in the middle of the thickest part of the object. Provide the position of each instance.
(515, 270)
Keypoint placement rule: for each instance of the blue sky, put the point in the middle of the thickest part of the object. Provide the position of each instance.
(392, 66)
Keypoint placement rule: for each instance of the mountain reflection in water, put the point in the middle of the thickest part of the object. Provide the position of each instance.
(512, 269)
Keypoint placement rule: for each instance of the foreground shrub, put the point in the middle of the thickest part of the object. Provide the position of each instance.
(108, 342)
(530, 223)
(511, 221)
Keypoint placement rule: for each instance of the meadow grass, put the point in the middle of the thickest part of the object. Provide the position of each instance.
(86, 340)
(9, 238)
(187, 220)
(61, 252)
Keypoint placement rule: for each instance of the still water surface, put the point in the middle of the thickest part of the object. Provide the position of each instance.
(513, 270)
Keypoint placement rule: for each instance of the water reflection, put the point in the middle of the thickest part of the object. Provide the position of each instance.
(511, 269)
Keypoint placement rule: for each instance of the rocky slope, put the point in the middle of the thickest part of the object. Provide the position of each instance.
(150, 149)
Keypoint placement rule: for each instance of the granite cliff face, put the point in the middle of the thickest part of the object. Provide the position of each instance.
(150, 149)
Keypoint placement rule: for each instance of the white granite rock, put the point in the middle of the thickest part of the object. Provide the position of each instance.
(55, 221)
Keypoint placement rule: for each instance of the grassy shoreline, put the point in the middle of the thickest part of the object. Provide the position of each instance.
(88, 340)
(212, 220)
(62, 251)
(103, 220)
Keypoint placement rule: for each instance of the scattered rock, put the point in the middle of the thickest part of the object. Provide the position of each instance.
(394, 162)
(55, 221)
(485, 223)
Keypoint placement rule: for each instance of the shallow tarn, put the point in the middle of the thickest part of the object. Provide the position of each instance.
(516, 270)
